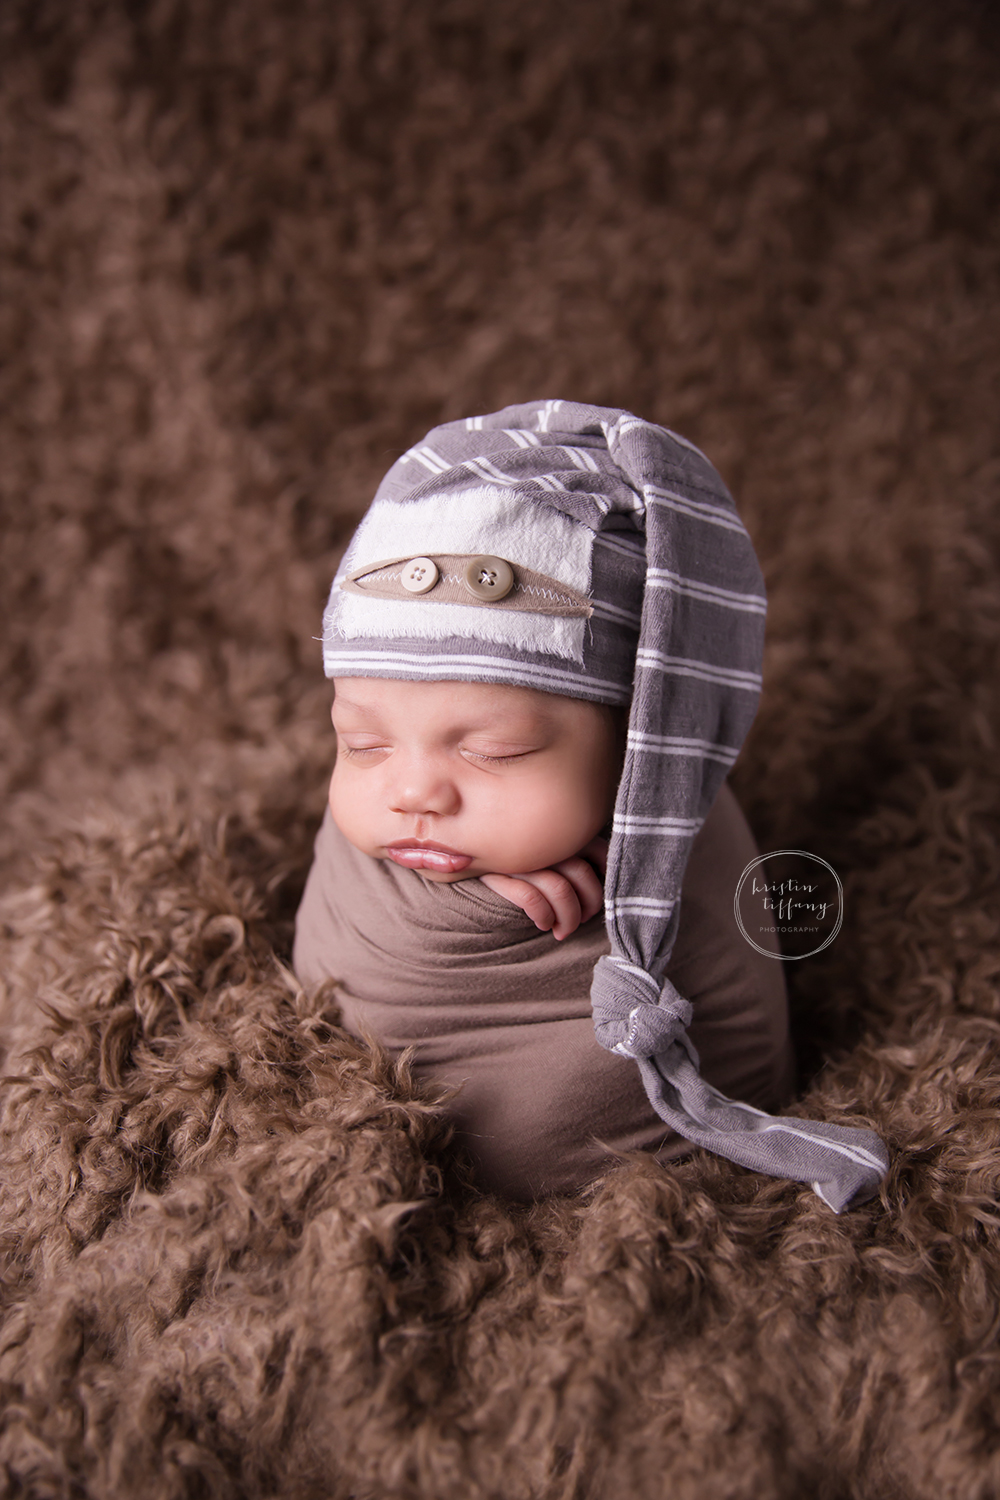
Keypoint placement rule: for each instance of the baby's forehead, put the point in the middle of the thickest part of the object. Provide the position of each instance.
(476, 701)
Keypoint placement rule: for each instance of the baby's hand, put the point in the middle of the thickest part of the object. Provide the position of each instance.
(560, 898)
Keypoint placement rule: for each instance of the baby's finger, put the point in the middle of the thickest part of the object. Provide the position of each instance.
(546, 896)
(586, 883)
(520, 891)
(562, 897)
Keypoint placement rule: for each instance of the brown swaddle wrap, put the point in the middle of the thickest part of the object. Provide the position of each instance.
(502, 1011)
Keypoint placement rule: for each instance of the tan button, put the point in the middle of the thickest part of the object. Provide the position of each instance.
(489, 578)
(419, 575)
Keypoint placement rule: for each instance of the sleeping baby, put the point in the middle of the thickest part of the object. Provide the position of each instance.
(545, 640)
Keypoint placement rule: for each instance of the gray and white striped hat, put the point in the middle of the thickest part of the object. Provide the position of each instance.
(583, 551)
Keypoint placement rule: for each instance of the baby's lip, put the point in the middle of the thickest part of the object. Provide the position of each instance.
(425, 854)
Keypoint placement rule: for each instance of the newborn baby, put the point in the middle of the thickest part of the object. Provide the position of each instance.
(437, 783)
(549, 622)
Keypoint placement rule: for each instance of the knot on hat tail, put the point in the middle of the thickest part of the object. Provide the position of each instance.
(631, 1016)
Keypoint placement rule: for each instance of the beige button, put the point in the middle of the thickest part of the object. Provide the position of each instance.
(419, 575)
(489, 578)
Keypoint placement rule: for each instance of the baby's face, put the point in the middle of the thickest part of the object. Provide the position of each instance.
(458, 779)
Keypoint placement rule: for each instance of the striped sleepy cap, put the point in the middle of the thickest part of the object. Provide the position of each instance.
(579, 550)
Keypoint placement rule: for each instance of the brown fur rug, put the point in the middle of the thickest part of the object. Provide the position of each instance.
(253, 248)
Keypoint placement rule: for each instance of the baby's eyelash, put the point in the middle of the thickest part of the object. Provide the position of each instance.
(494, 760)
(359, 752)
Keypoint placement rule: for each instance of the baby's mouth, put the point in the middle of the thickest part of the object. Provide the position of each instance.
(418, 854)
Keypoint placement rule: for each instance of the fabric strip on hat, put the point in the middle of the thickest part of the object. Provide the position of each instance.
(677, 631)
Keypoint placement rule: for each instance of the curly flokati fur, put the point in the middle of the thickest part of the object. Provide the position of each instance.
(241, 1259)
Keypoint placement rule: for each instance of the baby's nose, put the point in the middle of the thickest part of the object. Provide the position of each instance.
(425, 788)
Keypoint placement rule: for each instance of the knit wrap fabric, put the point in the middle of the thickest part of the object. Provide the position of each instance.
(637, 519)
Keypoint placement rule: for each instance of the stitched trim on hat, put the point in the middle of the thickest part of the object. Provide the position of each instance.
(533, 593)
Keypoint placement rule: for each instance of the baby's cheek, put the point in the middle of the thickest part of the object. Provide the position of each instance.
(553, 824)
(333, 799)
(347, 809)
(338, 801)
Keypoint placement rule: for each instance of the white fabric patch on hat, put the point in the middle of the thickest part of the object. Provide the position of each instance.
(484, 520)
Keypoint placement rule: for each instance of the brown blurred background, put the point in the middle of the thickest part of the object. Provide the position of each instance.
(252, 250)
